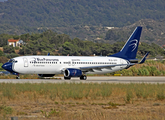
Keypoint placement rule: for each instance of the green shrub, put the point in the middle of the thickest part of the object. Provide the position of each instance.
(6, 110)
(16, 48)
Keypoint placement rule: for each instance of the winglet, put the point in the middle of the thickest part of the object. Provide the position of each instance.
(144, 58)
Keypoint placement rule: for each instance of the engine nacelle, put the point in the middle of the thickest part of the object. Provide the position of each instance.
(46, 75)
(71, 72)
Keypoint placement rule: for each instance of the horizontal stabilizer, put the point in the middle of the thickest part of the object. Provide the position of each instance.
(144, 58)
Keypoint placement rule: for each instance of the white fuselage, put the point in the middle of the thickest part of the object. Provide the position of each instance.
(57, 64)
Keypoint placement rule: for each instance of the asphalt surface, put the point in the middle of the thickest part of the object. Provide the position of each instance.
(98, 79)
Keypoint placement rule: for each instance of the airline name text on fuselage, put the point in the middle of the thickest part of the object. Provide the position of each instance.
(44, 59)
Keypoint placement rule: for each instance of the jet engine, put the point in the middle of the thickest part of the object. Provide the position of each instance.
(71, 72)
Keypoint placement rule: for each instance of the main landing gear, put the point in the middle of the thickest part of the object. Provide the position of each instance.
(83, 77)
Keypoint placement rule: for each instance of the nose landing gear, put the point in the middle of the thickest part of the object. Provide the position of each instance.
(17, 77)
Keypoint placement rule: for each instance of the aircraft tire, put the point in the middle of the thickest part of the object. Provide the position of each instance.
(83, 77)
(17, 77)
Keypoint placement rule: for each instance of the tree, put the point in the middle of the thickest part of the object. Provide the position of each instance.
(25, 51)
(16, 37)
(3, 59)
(1, 53)
(8, 49)
(12, 55)
(69, 48)
(25, 37)
(3, 39)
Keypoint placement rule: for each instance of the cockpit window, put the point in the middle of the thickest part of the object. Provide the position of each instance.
(12, 61)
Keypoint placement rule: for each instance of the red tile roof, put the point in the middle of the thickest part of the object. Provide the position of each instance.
(12, 40)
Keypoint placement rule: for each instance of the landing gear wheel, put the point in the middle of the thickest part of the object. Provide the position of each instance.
(17, 77)
(83, 77)
(67, 78)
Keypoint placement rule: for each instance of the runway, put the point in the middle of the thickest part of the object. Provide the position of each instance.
(97, 79)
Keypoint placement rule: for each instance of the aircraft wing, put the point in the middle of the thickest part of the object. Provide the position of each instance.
(99, 68)
(90, 68)
(110, 66)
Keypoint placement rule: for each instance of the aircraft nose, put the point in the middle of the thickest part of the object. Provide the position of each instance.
(7, 66)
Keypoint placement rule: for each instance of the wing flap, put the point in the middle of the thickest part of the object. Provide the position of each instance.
(99, 68)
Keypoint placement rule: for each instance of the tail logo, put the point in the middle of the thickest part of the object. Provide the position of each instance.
(134, 43)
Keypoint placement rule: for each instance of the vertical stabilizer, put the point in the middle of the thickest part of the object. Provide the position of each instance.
(129, 50)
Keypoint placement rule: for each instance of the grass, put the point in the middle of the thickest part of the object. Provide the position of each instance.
(6, 110)
(50, 114)
(80, 91)
(79, 101)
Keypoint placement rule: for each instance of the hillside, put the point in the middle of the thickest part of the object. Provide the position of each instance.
(60, 13)
(87, 20)
(153, 32)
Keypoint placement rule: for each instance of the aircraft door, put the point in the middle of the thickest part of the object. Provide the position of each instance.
(25, 62)
(69, 63)
(73, 63)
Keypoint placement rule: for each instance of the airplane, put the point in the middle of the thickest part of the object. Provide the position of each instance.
(78, 66)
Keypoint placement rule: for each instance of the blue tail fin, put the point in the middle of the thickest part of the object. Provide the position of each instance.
(129, 50)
